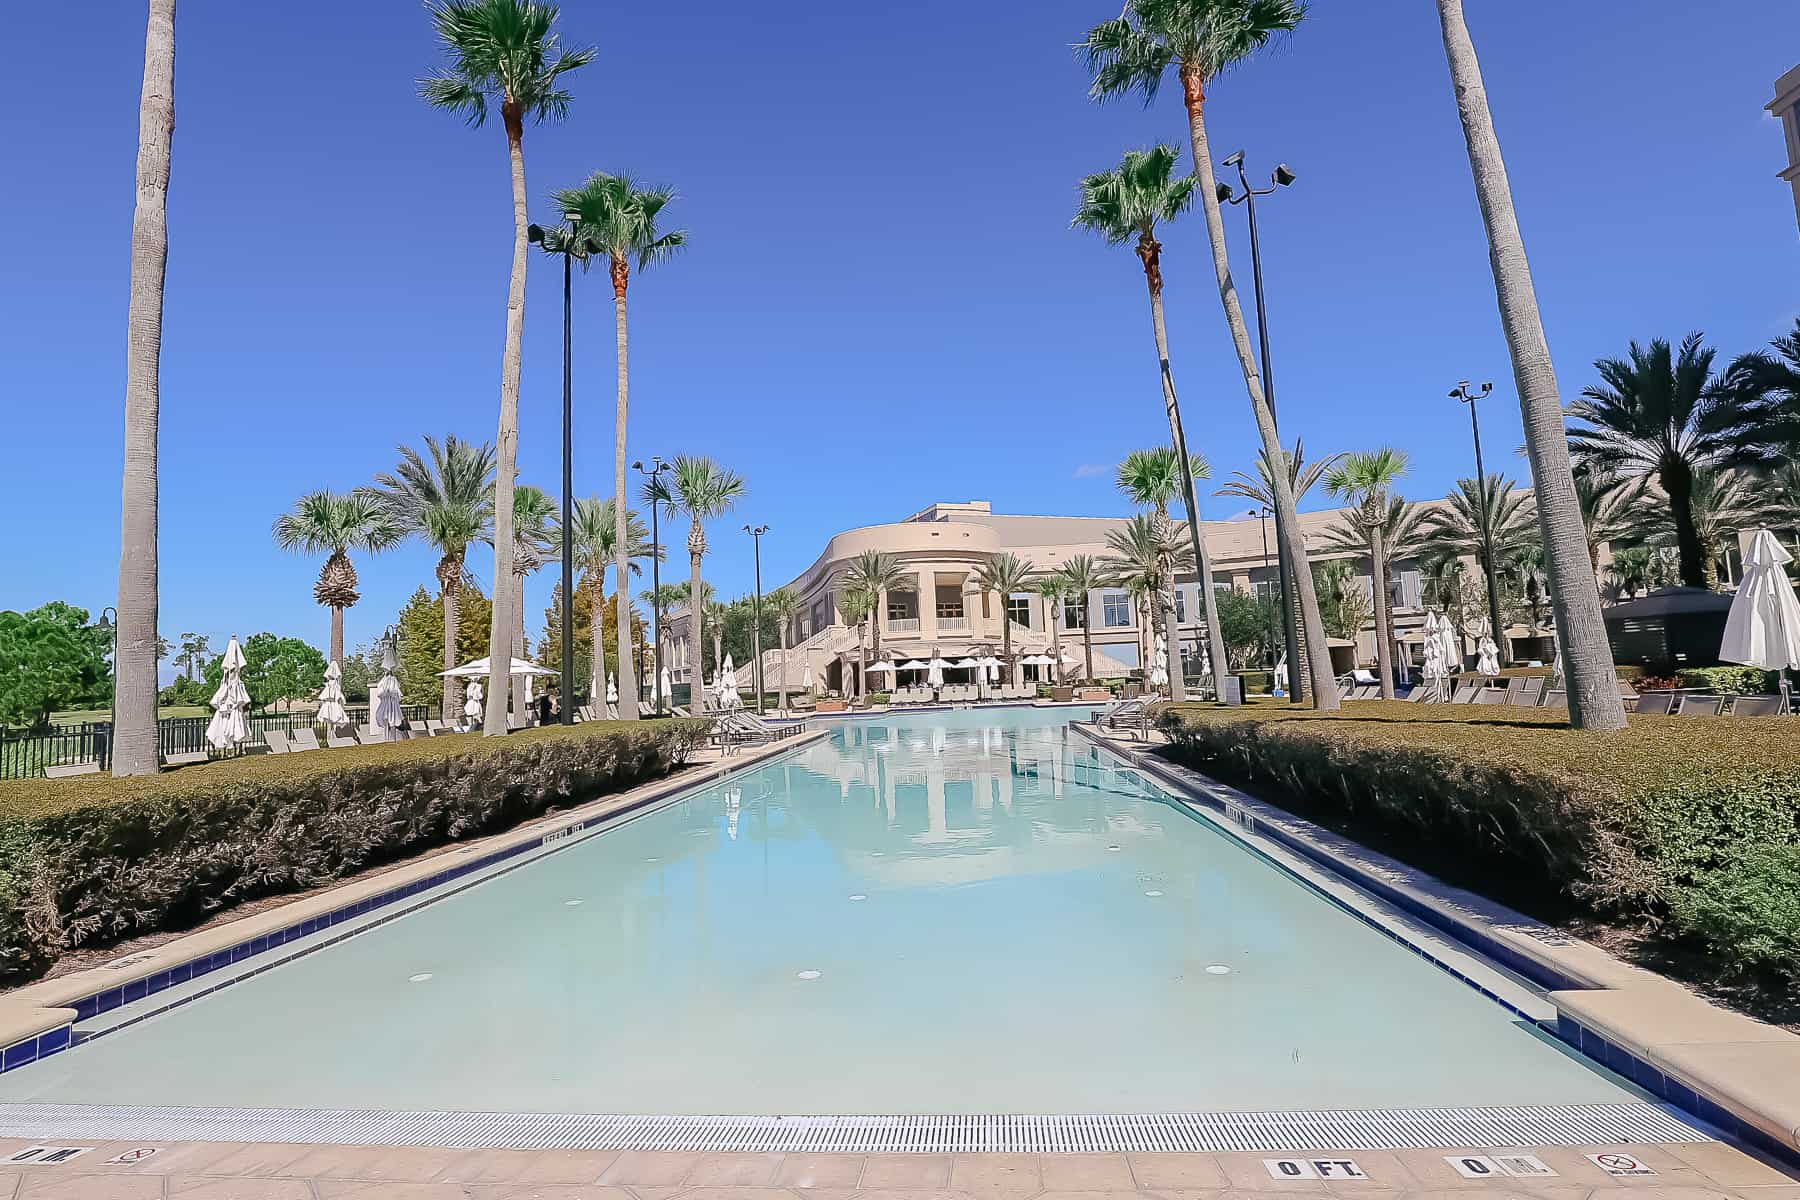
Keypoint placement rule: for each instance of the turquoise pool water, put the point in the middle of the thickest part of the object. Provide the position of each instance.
(945, 912)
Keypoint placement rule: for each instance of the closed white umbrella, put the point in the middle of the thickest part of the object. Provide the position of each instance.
(728, 685)
(1434, 672)
(227, 727)
(385, 712)
(1763, 627)
(472, 706)
(936, 668)
(1281, 673)
(1487, 661)
(806, 678)
(331, 700)
(1159, 663)
(668, 686)
(1451, 645)
(612, 689)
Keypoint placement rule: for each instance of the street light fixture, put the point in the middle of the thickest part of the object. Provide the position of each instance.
(756, 535)
(558, 240)
(1462, 393)
(656, 468)
(1282, 176)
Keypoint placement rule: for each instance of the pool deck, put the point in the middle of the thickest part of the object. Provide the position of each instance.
(266, 1171)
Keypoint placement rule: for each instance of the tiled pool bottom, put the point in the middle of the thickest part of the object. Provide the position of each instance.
(932, 914)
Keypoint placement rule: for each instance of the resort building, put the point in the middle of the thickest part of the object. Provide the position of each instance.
(1786, 108)
(942, 611)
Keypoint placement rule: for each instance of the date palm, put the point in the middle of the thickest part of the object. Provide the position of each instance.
(1125, 205)
(1199, 40)
(1151, 478)
(333, 524)
(445, 497)
(135, 746)
(534, 514)
(1574, 598)
(593, 532)
(703, 490)
(855, 606)
(505, 52)
(1083, 575)
(618, 216)
(876, 572)
(1144, 558)
(1722, 502)
(1659, 415)
(1005, 574)
(1403, 532)
(1455, 527)
(1053, 587)
(782, 604)
(1765, 385)
(1366, 478)
(1613, 508)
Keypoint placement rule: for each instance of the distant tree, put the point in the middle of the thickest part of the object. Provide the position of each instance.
(1246, 620)
(1367, 478)
(275, 669)
(876, 572)
(1721, 503)
(362, 667)
(782, 605)
(1054, 588)
(1343, 602)
(702, 490)
(1765, 387)
(420, 626)
(856, 605)
(1005, 574)
(1082, 575)
(332, 524)
(50, 658)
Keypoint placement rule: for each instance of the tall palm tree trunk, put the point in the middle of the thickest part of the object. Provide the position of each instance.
(784, 666)
(337, 636)
(1384, 625)
(1318, 662)
(597, 689)
(628, 681)
(1695, 561)
(447, 588)
(1087, 636)
(875, 621)
(521, 684)
(1575, 598)
(1172, 629)
(696, 621)
(134, 750)
(1053, 611)
(1150, 252)
(506, 439)
(1006, 643)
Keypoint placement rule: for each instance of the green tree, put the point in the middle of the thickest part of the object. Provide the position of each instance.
(420, 627)
(334, 524)
(1144, 558)
(704, 491)
(1054, 588)
(1125, 205)
(275, 669)
(618, 216)
(876, 572)
(1613, 509)
(1342, 602)
(782, 605)
(1005, 574)
(594, 531)
(856, 605)
(1721, 502)
(534, 514)
(505, 51)
(1083, 575)
(1367, 478)
(1152, 478)
(1249, 625)
(1593, 685)
(50, 658)
(1199, 40)
(1457, 527)
(445, 497)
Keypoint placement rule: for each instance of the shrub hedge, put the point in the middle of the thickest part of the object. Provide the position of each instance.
(1688, 823)
(1732, 680)
(94, 859)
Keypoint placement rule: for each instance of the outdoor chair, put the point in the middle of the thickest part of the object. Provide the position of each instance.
(1659, 704)
(1419, 693)
(277, 741)
(434, 728)
(185, 758)
(1366, 691)
(1515, 690)
(1533, 691)
(335, 740)
(1465, 693)
(678, 710)
(368, 735)
(1756, 706)
(1492, 695)
(303, 739)
(68, 770)
(1556, 698)
(1345, 687)
(1700, 706)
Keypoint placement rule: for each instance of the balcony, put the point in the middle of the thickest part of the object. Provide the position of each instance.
(953, 624)
(902, 625)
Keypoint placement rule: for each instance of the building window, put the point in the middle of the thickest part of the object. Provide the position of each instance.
(1072, 612)
(1180, 605)
(1115, 610)
(1018, 608)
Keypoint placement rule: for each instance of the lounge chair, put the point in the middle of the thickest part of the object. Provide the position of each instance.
(1492, 695)
(434, 728)
(1659, 704)
(277, 741)
(1365, 691)
(1700, 706)
(335, 740)
(1756, 706)
(1533, 691)
(1556, 698)
(1515, 690)
(186, 758)
(1127, 715)
(677, 710)
(303, 739)
(1466, 693)
(1419, 693)
(69, 770)
(368, 735)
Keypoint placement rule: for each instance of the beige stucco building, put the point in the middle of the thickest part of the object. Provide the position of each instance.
(942, 611)
(1786, 107)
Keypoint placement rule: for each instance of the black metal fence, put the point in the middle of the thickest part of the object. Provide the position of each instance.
(24, 756)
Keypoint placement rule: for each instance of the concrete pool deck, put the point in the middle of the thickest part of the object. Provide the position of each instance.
(270, 1171)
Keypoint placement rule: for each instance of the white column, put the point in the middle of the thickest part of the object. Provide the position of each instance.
(928, 630)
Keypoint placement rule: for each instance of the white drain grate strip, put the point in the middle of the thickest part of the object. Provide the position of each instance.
(1344, 1129)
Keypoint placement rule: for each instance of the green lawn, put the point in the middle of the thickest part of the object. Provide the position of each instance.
(77, 716)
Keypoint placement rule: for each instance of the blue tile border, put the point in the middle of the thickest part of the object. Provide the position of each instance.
(1589, 1043)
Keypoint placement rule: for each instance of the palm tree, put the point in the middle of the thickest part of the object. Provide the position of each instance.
(618, 217)
(594, 533)
(1082, 576)
(716, 616)
(1402, 532)
(854, 606)
(134, 748)
(1201, 39)
(783, 604)
(1612, 508)
(1053, 588)
(1125, 205)
(1146, 555)
(446, 497)
(334, 524)
(194, 649)
(703, 490)
(1593, 684)
(1151, 478)
(1456, 526)
(1766, 388)
(1005, 574)
(504, 50)
(1659, 415)
(1722, 502)
(1631, 566)
(876, 572)
(534, 514)
(1366, 478)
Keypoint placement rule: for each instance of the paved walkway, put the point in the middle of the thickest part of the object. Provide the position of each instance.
(235, 1171)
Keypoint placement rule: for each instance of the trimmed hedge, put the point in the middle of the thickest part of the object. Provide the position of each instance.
(1732, 680)
(94, 859)
(1691, 824)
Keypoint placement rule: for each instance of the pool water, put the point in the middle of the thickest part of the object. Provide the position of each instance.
(932, 912)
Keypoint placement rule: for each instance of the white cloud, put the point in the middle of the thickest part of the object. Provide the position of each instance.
(1091, 470)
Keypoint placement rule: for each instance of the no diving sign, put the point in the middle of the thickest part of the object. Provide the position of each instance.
(1314, 1168)
(1614, 1163)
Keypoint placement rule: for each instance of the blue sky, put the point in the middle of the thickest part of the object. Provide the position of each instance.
(882, 304)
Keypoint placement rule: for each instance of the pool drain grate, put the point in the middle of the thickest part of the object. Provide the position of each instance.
(1346, 1129)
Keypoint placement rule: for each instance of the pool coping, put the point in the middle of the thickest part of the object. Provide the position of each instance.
(1723, 1067)
(39, 1019)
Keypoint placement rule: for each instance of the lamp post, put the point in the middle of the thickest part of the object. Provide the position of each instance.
(651, 473)
(1282, 176)
(557, 240)
(1262, 514)
(109, 625)
(756, 674)
(1462, 393)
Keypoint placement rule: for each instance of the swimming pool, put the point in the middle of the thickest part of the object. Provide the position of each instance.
(925, 913)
